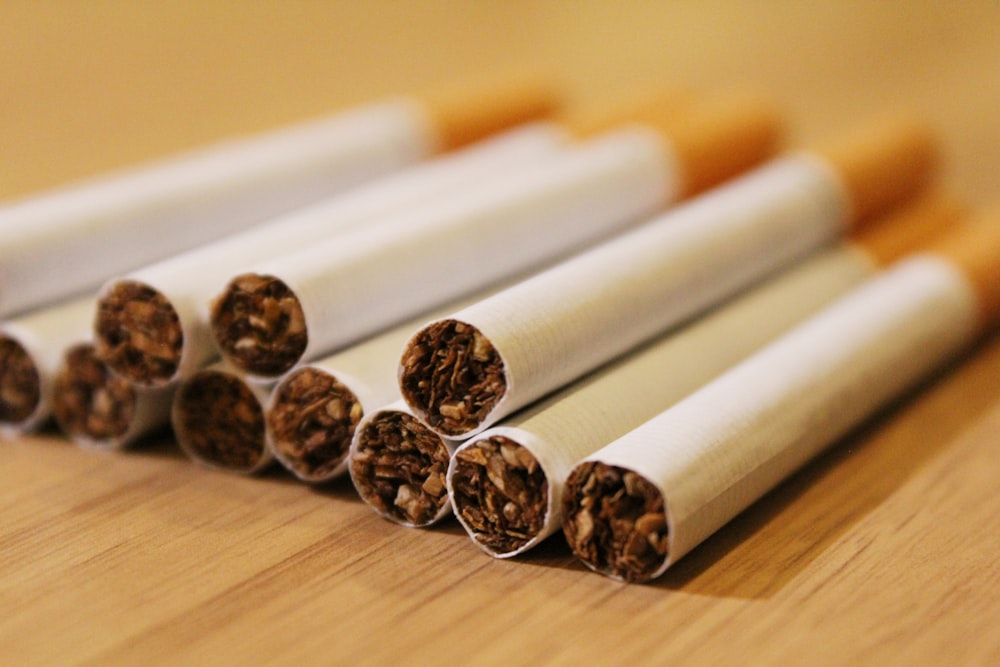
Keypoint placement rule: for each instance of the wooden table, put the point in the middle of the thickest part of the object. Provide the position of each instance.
(883, 551)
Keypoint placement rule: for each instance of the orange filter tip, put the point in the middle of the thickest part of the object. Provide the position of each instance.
(881, 164)
(463, 113)
(910, 227)
(648, 107)
(719, 138)
(975, 249)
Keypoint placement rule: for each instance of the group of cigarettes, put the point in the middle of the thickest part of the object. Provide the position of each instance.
(625, 323)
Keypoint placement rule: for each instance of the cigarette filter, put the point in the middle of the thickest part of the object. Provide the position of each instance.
(218, 419)
(351, 287)
(507, 483)
(98, 409)
(30, 349)
(72, 239)
(462, 373)
(639, 504)
(152, 324)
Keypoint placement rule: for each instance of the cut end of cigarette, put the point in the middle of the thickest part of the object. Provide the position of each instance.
(910, 227)
(138, 333)
(259, 325)
(615, 521)
(721, 138)
(90, 401)
(219, 421)
(649, 107)
(467, 112)
(398, 466)
(20, 383)
(312, 421)
(882, 164)
(452, 376)
(500, 492)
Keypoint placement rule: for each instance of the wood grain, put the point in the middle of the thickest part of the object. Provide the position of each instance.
(883, 551)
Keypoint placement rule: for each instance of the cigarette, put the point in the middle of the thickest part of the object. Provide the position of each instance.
(218, 419)
(463, 373)
(506, 484)
(98, 409)
(676, 479)
(399, 466)
(30, 349)
(152, 325)
(72, 239)
(305, 304)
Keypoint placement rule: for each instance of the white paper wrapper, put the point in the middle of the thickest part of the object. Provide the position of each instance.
(394, 411)
(561, 323)
(256, 455)
(723, 447)
(190, 280)
(361, 283)
(146, 410)
(588, 414)
(44, 335)
(71, 239)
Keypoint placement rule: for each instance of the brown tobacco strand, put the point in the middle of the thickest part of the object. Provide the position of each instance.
(259, 323)
(312, 421)
(454, 375)
(614, 520)
(500, 492)
(139, 333)
(221, 420)
(20, 386)
(399, 468)
(89, 399)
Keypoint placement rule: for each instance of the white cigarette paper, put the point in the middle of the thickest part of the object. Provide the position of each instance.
(33, 345)
(583, 417)
(563, 322)
(218, 420)
(720, 449)
(146, 351)
(73, 238)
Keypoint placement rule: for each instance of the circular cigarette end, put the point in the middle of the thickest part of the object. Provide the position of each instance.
(500, 493)
(20, 383)
(882, 164)
(312, 421)
(259, 325)
(219, 422)
(138, 333)
(615, 522)
(398, 467)
(91, 404)
(452, 377)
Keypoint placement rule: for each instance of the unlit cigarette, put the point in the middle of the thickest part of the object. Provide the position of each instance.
(98, 409)
(507, 483)
(318, 300)
(72, 239)
(152, 324)
(465, 372)
(31, 347)
(218, 419)
(638, 505)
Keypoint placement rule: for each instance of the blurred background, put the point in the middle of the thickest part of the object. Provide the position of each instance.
(88, 86)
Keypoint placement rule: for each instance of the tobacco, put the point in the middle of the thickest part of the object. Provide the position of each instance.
(614, 520)
(453, 374)
(399, 467)
(220, 420)
(259, 323)
(138, 333)
(312, 421)
(89, 399)
(20, 384)
(500, 492)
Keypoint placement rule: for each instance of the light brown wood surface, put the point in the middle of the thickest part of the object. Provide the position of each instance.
(883, 551)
